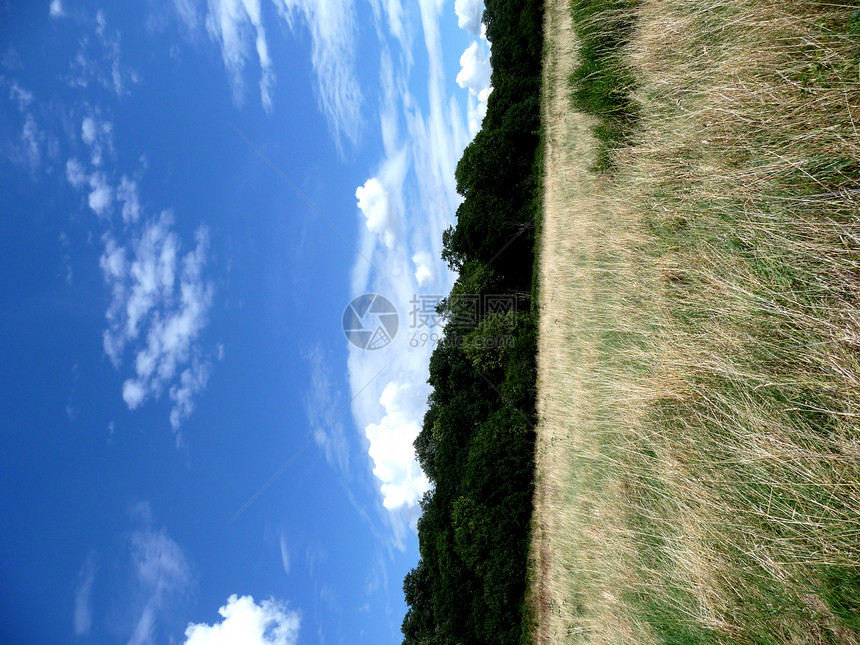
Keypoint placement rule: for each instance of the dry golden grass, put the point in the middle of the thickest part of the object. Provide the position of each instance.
(698, 456)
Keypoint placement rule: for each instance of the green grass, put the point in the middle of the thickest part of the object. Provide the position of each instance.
(601, 84)
(729, 131)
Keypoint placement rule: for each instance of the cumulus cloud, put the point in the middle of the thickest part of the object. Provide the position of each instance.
(475, 70)
(246, 622)
(374, 204)
(469, 13)
(233, 24)
(83, 612)
(403, 482)
(332, 26)
(425, 268)
(56, 9)
(475, 76)
(413, 215)
(380, 199)
(160, 303)
(160, 298)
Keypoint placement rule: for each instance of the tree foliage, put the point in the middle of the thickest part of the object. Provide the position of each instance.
(477, 442)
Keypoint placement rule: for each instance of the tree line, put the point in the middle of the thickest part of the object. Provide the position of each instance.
(477, 440)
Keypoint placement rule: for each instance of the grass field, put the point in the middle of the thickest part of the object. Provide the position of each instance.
(698, 455)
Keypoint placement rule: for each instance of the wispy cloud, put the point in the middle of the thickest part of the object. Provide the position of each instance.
(234, 24)
(332, 26)
(21, 96)
(98, 60)
(244, 621)
(83, 612)
(33, 143)
(161, 573)
(188, 13)
(321, 406)
(192, 381)
(56, 9)
(100, 193)
(238, 27)
(32, 139)
(97, 134)
(285, 555)
(405, 207)
(128, 193)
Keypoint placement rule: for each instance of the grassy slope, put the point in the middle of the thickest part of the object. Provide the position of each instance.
(699, 372)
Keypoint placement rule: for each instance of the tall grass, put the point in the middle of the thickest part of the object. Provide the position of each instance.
(710, 466)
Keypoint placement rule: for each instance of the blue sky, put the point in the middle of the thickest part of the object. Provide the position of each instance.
(193, 192)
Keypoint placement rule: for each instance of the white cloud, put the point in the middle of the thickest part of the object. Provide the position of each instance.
(127, 193)
(83, 612)
(88, 130)
(475, 70)
(425, 268)
(192, 381)
(31, 140)
(380, 199)
(161, 572)
(469, 14)
(285, 555)
(98, 135)
(391, 448)
(475, 76)
(100, 198)
(100, 195)
(332, 25)
(75, 173)
(101, 23)
(67, 257)
(133, 393)
(160, 304)
(158, 562)
(247, 623)
(476, 111)
(394, 12)
(187, 10)
(98, 60)
(233, 24)
(414, 215)
(21, 96)
(398, 22)
(374, 204)
(321, 408)
(56, 9)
